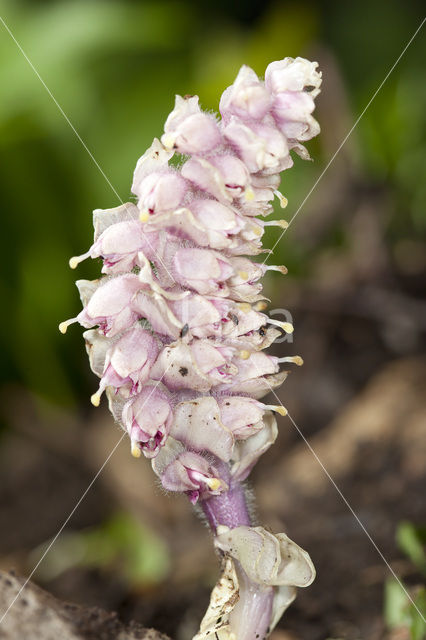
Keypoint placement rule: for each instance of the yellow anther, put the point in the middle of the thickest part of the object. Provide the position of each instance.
(168, 141)
(283, 200)
(276, 223)
(281, 410)
(64, 326)
(95, 399)
(244, 354)
(213, 483)
(74, 262)
(144, 216)
(298, 360)
(274, 267)
(278, 408)
(249, 194)
(245, 307)
(243, 275)
(257, 230)
(261, 305)
(287, 326)
(221, 528)
(282, 223)
(135, 451)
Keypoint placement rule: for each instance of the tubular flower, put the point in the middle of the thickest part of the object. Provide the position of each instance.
(176, 328)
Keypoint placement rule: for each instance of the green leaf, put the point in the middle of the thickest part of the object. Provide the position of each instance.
(418, 624)
(411, 541)
(396, 610)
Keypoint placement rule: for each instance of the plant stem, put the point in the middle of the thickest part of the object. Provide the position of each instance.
(251, 616)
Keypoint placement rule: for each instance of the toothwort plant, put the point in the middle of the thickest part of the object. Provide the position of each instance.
(176, 328)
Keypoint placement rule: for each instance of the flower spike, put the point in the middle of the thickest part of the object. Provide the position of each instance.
(176, 329)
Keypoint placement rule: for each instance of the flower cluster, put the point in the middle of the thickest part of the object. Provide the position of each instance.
(176, 329)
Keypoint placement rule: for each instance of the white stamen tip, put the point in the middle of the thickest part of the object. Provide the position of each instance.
(135, 451)
(144, 216)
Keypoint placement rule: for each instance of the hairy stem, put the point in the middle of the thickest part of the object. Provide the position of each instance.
(251, 616)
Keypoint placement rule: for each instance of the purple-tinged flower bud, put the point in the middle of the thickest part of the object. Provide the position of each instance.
(293, 75)
(198, 425)
(148, 418)
(110, 305)
(224, 177)
(264, 188)
(203, 270)
(119, 246)
(247, 452)
(156, 309)
(194, 475)
(198, 365)
(292, 112)
(156, 158)
(204, 315)
(261, 147)
(257, 375)
(188, 130)
(104, 218)
(221, 221)
(127, 362)
(159, 192)
(246, 98)
(241, 414)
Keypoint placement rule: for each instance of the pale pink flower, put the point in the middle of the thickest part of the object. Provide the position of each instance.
(148, 418)
(189, 130)
(246, 98)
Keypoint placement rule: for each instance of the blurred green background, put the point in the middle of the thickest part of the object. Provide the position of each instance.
(114, 68)
(355, 252)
